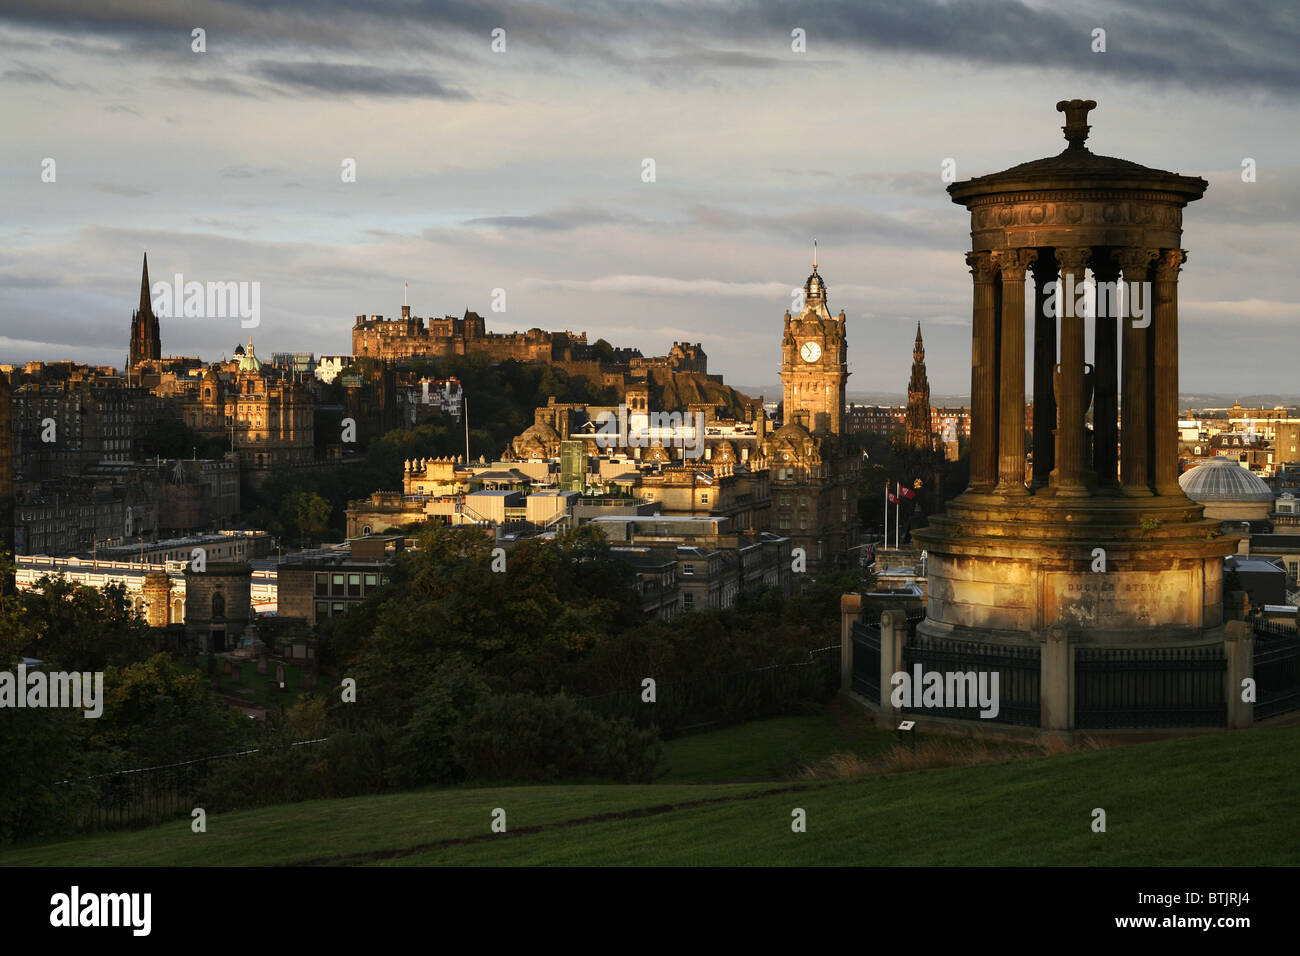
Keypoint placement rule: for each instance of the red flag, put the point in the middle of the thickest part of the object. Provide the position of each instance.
(907, 492)
(893, 498)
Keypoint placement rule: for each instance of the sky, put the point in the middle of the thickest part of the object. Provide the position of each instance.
(523, 169)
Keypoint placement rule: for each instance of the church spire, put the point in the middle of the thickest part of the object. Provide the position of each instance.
(146, 306)
(146, 344)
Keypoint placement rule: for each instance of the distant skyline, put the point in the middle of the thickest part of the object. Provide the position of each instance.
(522, 170)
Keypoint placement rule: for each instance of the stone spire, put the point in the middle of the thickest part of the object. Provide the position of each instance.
(920, 426)
(146, 342)
(146, 306)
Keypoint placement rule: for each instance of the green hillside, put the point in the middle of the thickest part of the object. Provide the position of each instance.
(1223, 799)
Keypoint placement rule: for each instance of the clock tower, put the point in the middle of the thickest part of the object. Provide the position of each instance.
(814, 362)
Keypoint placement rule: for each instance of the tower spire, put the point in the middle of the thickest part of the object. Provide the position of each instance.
(146, 307)
(146, 343)
(814, 255)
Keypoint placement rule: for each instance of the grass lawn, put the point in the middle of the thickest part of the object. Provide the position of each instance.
(770, 749)
(1223, 799)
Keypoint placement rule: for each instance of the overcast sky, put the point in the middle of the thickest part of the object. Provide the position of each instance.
(522, 170)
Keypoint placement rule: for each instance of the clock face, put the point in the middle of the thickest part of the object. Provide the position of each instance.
(811, 351)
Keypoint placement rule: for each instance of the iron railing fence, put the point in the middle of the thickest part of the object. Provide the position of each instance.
(1277, 670)
(1149, 687)
(866, 660)
(1017, 669)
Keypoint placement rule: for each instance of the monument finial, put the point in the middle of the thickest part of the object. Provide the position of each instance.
(814, 255)
(1076, 120)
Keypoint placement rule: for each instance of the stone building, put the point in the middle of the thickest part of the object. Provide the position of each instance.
(328, 583)
(813, 470)
(269, 419)
(218, 605)
(714, 561)
(410, 338)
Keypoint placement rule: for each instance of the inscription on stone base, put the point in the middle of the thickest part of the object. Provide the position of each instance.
(1118, 599)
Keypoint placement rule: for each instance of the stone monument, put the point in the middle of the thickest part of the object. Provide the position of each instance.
(1100, 545)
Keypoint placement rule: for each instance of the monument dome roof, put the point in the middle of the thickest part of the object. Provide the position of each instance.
(1078, 167)
(1222, 479)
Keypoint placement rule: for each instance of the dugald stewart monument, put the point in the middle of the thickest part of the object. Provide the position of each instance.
(1096, 546)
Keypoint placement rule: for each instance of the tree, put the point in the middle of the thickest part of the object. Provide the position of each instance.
(76, 628)
(312, 513)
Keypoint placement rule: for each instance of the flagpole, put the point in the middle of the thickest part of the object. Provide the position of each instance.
(886, 524)
(898, 506)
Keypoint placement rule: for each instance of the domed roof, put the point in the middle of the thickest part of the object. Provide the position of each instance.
(249, 362)
(1078, 167)
(541, 431)
(1222, 479)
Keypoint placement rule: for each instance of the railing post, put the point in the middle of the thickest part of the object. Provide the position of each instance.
(1056, 680)
(1239, 648)
(893, 635)
(850, 614)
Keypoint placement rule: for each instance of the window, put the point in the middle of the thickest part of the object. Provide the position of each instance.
(337, 608)
(218, 606)
(688, 569)
(689, 598)
(372, 582)
(322, 584)
(704, 499)
(354, 585)
(322, 609)
(336, 585)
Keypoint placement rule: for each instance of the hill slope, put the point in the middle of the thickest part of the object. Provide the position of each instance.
(1225, 799)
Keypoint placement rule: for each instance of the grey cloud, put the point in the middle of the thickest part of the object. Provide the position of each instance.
(245, 172)
(113, 189)
(23, 73)
(346, 78)
(221, 84)
(1203, 44)
(557, 221)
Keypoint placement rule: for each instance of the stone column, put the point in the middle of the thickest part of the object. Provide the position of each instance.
(1164, 359)
(1239, 647)
(1105, 396)
(1055, 666)
(1011, 402)
(1044, 269)
(1135, 473)
(893, 635)
(1068, 476)
(983, 387)
(850, 614)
